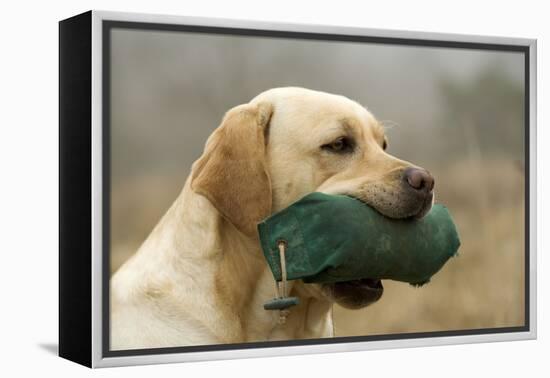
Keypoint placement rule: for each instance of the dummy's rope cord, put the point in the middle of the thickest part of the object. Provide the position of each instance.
(283, 266)
(282, 313)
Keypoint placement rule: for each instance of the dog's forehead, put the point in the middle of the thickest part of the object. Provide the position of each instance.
(300, 108)
(306, 100)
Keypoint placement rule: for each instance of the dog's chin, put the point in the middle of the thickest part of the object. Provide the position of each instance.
(355, 294)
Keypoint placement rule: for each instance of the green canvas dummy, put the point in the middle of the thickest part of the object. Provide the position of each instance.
(332, 238)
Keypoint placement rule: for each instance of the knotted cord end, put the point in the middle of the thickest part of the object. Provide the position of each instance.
(282, 302)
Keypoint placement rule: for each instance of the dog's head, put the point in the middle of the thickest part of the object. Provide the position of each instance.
(288, 142)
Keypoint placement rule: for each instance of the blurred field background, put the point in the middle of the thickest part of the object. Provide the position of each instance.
(457, 112)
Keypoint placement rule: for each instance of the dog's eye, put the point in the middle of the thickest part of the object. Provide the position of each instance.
(385, 145)
(341, 144)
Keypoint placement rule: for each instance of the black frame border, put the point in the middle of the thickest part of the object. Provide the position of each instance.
(75, 191)
(109, 25)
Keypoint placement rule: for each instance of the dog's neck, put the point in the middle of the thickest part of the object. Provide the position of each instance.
(211, 253)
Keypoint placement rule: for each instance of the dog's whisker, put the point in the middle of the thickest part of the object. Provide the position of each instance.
(388, 124)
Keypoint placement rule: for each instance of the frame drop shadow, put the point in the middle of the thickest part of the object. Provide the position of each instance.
(52, 348)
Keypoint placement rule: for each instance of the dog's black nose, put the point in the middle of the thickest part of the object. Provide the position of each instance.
(419, 179)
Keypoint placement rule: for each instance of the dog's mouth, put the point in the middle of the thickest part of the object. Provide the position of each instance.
(355, 294)
(415, 207)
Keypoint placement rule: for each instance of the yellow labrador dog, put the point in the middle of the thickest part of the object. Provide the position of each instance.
(201, 278)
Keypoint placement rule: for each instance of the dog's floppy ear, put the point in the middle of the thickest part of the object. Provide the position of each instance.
(232, 172)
